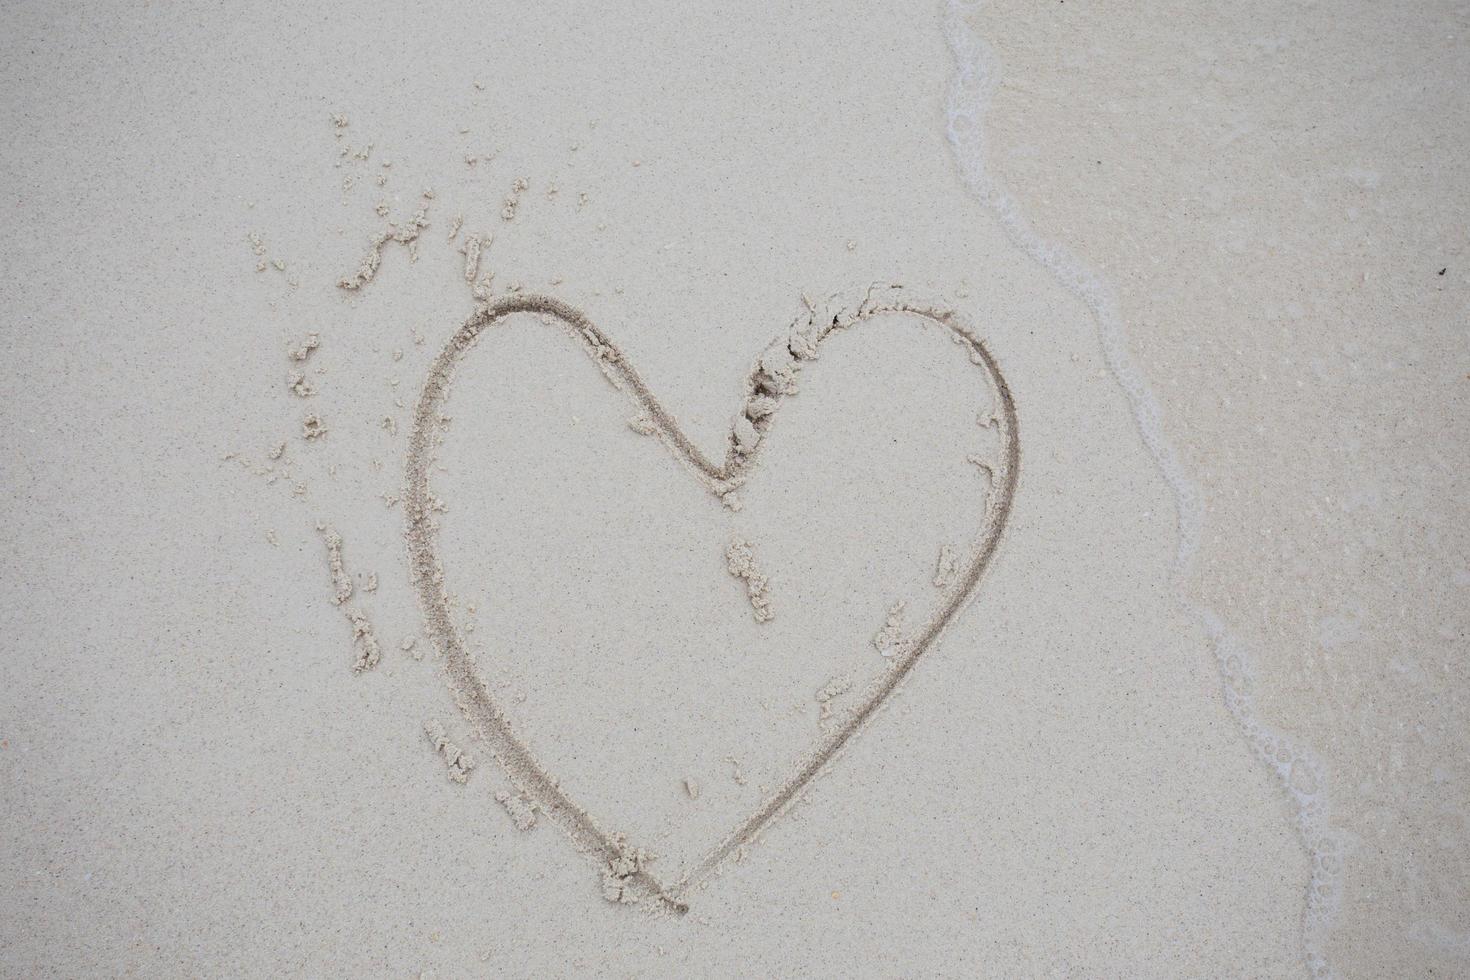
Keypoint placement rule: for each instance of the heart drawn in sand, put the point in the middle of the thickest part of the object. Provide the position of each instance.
(771, 380)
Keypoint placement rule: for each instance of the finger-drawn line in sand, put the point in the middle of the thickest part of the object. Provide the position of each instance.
(773, 378)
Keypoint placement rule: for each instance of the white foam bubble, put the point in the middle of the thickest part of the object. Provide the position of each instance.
(1300, 773)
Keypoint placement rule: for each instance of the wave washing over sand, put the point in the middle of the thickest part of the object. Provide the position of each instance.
(1299, 771)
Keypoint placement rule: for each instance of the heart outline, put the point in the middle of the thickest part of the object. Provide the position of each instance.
(770, 381)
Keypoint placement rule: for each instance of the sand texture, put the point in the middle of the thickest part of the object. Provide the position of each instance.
(794, 490)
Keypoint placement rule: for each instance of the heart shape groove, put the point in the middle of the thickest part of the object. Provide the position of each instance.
(771, 380)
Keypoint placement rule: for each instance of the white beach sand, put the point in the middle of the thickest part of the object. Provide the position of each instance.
(1204, 713)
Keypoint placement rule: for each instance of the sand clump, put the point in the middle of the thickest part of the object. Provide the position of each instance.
(472, 247)
(364, 641)
(299, 385)
(263, 261)
(277, 468)
(481, 289)
(522, 808)
(624, 873)
(257, 248)
(304, 349)
(513, 199)
(890, 640)
(459, 763)
(364, 638)
(341, 581)
(829, 692)
(405, 234)
(296, 379)
(740, 560)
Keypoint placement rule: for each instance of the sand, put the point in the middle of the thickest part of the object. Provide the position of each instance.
(879, 491)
